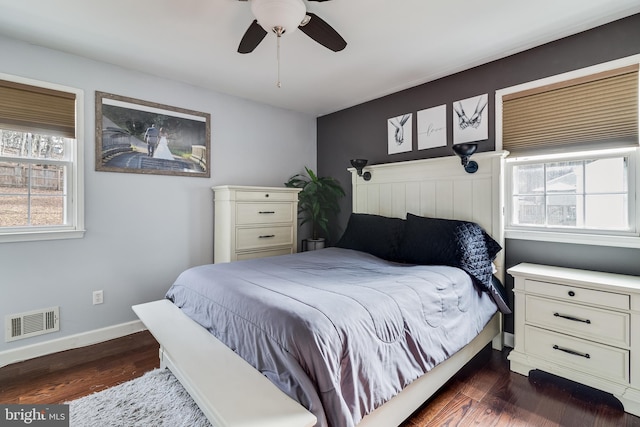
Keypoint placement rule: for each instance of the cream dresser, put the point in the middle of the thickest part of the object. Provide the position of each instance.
(581, 325)
(254, 222)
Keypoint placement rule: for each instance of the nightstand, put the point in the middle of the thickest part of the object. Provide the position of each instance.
(581, 325)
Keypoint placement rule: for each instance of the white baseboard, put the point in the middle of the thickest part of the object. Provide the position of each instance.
(508, 339)
(68, 343)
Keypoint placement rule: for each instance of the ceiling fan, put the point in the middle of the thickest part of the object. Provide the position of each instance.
(285, 16)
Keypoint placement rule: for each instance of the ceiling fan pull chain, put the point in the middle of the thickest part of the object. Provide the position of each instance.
(279, 84)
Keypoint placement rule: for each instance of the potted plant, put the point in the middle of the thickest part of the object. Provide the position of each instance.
(317, 202)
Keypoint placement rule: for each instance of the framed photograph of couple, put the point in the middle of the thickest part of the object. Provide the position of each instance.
(136, 136)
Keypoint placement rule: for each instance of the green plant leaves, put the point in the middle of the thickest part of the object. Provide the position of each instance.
(318, 200)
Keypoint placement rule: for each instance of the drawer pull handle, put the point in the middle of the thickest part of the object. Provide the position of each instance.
(576, 353)
(575, 319)
(266, 236)
(572, 294)
(267, 212)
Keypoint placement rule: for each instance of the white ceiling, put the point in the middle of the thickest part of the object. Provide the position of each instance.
(392, 44)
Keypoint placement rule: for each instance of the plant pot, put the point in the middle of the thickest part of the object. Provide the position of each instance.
(312, 244)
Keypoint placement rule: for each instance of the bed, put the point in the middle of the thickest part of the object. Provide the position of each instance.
(409, 327)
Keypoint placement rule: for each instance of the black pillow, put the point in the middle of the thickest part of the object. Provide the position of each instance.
(429, 241)
(439, 241)
(462, 244)
(374, 234)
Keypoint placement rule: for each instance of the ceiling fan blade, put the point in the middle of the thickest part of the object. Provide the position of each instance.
(252, 37)
(323, 33)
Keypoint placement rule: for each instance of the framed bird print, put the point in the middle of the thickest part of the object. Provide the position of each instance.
(399, 135)
(471, 119)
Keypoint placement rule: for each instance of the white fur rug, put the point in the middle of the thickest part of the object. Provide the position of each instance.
(155, 399)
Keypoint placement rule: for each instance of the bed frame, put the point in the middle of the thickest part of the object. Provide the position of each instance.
(231, 393)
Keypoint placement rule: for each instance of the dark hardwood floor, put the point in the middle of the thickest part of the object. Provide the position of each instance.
(486, 393)
(68, 375)
(483, 393)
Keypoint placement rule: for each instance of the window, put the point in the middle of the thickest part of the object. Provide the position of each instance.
(581, 193)
(573, 143)
(40, 161)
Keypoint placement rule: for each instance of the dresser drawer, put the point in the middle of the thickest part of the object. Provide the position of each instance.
(593, 359)
(609, 327)
(263, 237)
(263, 254)
(266, 196)
(263, 213)
(581, 295)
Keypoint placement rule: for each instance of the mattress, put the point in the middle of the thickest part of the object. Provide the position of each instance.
(338, 330)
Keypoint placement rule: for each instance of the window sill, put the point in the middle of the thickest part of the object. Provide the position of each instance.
(574, 238)
(31, 236)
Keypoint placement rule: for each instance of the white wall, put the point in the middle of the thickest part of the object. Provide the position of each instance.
(142, 230)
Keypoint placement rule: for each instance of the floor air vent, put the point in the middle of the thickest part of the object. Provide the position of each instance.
(32, 323)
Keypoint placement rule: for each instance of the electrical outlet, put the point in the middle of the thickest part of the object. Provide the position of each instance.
(98, 297)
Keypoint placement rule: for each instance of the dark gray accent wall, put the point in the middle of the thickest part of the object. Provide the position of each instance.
(361, 131)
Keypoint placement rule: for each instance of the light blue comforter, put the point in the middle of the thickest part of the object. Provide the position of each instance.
(338, 330)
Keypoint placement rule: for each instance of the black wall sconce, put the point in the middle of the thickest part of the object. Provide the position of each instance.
(464, 151)
(359, 164)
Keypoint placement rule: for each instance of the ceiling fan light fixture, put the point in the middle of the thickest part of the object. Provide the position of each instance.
(286, 15)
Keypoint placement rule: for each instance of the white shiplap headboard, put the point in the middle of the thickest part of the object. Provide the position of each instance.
(437, 188)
